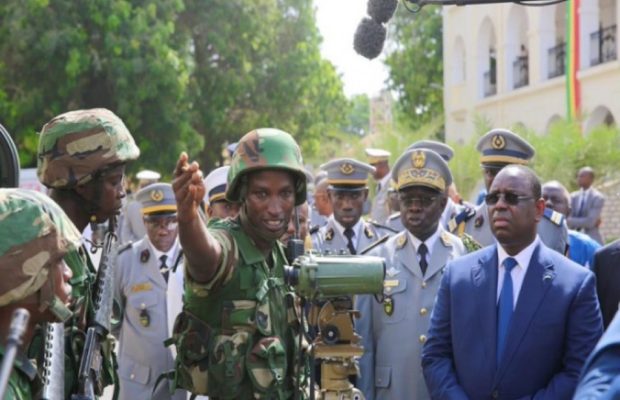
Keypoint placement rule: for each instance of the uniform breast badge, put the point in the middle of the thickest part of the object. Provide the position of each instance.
(388, 306)
(145, 318)
(144, 256)
(479, 221)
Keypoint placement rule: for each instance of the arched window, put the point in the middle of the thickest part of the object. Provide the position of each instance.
(487, 59)
(600, 116)
(517, 48)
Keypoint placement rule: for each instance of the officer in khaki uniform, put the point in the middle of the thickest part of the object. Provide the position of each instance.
(346, 230)
(394, 331)
(144, 271)
(498, 148)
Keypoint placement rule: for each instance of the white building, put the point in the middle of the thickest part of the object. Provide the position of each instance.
(505, 63)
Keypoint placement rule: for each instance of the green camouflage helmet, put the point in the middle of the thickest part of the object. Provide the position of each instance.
(35, 233)
(74, 146)
(266, 148)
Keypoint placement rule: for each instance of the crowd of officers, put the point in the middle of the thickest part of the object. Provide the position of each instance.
(200, 303)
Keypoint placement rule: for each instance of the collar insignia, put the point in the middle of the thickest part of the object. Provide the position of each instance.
(498, 142)
(391, 272)
(479, 221)
(329, 235)
(401, 241)
(368, 232)
(446, 239)
(145, 255)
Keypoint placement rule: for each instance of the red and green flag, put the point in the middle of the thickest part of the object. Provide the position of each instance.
(573, 89)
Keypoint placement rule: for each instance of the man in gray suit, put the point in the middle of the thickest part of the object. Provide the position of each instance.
(394, 331)
(587, 205)
(498, 148)
(141, 286)
(346, 231)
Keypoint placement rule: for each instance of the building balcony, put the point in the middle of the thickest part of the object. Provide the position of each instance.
(520, 73)
(557, 61)
(603, 46)
(489, 83)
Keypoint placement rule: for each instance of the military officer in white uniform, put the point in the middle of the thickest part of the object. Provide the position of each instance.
(394, 331)
(498, 148)
(216, 205)
(144, 269)
(346, 231)
(379, 159)
(131, 227)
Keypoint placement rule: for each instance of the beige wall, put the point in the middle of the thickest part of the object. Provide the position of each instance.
(470, 31)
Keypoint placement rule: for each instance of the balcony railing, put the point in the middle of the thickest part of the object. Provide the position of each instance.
(520, 72)
(489, 83)
(603, 46)
(557, 60)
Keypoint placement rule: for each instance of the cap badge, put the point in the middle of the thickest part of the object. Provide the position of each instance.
(498, 142)
(419, 159)
(157, 195)
(347, 169)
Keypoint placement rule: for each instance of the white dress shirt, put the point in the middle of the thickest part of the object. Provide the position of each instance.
(518, 272)
(357, 231)
(430, 242)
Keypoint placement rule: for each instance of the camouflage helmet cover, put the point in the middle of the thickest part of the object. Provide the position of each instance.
(266, 148)
(35, 233)
(74, 146)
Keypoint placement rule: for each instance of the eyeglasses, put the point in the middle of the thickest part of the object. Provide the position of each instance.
(169, 223)
(424, 201)
(510, 198)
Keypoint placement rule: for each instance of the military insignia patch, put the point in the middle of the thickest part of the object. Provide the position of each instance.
(401, 241)
(388, 306)
(479, 221)
(145, 255)
(498, 142)
(368, 232)
(446, 239)
(418, 159)
(347, 169)
(141, 287)
(145, 318)
(157, 195)
(329, 235)
(391, 272)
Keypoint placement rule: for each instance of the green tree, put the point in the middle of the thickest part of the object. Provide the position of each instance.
(123, 55)
(415, 64)
(359, 115)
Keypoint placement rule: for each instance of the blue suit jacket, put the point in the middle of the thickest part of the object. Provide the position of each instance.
(601, 374)
(555, 325)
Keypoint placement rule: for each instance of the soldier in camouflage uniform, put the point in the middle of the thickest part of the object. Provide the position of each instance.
(236, 338)
(81, 159)
(35, 235)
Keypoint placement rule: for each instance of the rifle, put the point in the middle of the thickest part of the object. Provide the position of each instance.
(53, 371)
(19, 323)
(91, 362)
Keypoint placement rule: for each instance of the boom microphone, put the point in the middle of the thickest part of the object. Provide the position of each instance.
(381, 10)
(369, 38)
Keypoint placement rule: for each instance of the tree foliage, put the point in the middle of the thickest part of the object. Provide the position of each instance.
(415, 63)
(183, 74)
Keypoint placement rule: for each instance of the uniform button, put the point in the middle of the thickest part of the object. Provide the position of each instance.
(132, 376)
(423, 284)
(423, 311)
(495, 394)
(422, 339)
(388, 289)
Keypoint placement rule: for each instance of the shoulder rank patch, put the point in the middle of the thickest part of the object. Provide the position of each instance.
(368, 232)
(446, 239)
(554, 216)
(374, 244)
(401, 241)
(141, 287)
(465, 215)
(124, 247)
(329, 234)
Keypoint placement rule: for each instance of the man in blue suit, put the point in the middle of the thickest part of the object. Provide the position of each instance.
(600, 379)
(515, 319)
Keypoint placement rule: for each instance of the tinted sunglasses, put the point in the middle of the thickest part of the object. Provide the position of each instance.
(510, 198)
